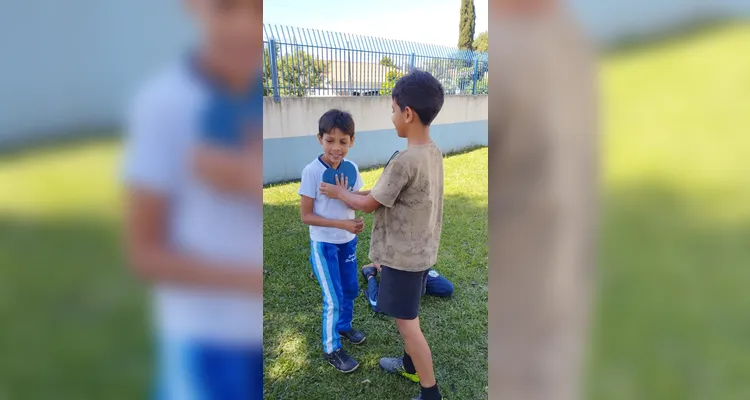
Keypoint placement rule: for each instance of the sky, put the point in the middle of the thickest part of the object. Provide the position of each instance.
(423, 21)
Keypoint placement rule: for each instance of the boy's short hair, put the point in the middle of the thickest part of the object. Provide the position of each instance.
(421, 92)
(336, 119)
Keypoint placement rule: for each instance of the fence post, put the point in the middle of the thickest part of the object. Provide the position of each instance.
(476, 75)
(349, 68)
(274, 70)
(411, 61)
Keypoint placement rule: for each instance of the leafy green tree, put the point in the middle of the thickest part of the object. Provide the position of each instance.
(387, 62)
(467, 25)
(297, 72)
(390, 81)
(481, 43)
(483, 85)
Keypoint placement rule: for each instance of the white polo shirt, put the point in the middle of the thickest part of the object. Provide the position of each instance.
(312, 177)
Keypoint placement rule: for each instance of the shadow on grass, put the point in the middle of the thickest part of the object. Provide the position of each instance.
(455, 328)
(73, 319)
(671, 320)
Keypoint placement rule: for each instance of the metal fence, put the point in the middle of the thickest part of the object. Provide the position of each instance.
(300, 62)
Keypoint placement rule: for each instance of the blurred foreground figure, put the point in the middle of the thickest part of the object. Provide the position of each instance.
(192, 171)
(542, 191)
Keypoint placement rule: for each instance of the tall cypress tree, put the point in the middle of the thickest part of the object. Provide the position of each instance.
(466, 25)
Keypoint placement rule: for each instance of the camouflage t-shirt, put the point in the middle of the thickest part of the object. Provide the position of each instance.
(406, 229)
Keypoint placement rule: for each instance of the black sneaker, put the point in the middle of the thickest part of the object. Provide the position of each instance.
(354, 336)
(368, 271)
(421, 397)
(342, 361)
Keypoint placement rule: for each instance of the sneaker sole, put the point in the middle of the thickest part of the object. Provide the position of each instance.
(356, 343)
(345, 372)
(411, 378)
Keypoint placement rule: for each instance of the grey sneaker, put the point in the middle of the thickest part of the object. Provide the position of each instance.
(395, 365)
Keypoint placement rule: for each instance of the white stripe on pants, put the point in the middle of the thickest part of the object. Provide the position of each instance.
(330, 317)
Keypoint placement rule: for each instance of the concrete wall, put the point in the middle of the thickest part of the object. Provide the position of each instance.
(290, 130)
(71, 65)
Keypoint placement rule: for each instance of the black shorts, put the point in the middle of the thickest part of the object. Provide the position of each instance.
(401, 292)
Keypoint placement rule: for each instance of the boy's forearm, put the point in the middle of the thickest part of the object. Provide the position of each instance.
(316, 220)
(164, 265)
(356, 201)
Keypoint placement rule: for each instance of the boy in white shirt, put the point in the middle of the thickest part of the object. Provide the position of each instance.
(333, 240)
(194, 218)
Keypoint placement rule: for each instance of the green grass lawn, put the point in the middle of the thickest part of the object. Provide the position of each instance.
(671, 321)
(73, 321)
(456, 328)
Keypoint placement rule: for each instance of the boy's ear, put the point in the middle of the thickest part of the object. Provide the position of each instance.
(408, 115)
(320, 139)
(351, 142)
